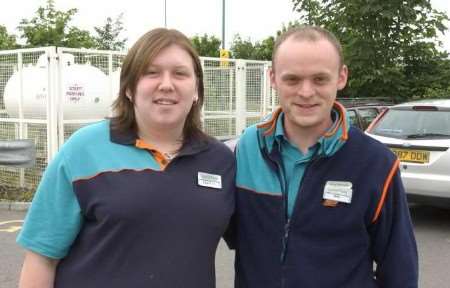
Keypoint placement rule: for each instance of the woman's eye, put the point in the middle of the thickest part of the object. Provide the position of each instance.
(181, 73)
(151, 72)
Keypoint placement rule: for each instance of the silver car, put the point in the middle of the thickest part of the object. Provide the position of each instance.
(419, 134)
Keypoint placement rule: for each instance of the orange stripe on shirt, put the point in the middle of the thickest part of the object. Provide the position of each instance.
(387, 183)
(159, 157)
(111, 171)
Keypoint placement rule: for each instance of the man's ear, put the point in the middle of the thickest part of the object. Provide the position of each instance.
(343, 75)
(272, 78)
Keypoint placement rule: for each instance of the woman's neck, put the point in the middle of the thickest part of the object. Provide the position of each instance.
(164, 140)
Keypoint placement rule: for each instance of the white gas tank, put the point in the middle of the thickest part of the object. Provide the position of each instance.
(84, 92)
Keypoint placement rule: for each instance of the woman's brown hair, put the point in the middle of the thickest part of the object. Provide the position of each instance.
(134, 66)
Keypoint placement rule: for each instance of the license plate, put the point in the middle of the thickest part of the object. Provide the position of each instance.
(416, 156)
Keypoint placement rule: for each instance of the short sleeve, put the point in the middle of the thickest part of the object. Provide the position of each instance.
(54, 218)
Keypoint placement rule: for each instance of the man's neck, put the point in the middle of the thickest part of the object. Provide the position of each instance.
(305, 137)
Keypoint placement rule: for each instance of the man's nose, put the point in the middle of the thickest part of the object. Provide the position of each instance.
(306, 89)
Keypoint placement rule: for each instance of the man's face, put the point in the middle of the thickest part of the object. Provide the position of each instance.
(307, 75)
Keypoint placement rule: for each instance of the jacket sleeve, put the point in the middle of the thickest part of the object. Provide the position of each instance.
(230, 234)
(393, 243)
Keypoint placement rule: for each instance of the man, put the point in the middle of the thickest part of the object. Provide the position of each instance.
(319, 204)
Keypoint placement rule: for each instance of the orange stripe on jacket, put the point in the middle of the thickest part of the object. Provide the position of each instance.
(387, 183)
(341, 123)
(271, 123)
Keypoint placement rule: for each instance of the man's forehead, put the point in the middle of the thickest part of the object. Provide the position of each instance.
(293, 51)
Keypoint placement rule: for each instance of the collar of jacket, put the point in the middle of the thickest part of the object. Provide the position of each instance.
(190, 147)
(329, 143)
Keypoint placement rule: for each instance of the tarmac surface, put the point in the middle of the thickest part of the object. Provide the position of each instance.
(431, 225)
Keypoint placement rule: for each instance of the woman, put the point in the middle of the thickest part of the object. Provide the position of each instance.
(142, 199)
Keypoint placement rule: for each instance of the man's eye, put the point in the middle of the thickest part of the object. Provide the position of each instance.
(291, 81)
(320, 80)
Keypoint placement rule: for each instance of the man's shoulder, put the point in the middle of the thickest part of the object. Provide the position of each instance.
(366, 145)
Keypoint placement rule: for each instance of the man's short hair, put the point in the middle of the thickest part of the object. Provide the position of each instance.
(308, 33)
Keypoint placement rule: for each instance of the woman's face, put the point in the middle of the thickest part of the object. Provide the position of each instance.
(166, 91)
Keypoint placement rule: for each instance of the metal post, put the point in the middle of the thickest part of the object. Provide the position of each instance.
(223, 24)
(165, 13)
(52, 104)
(241, 97)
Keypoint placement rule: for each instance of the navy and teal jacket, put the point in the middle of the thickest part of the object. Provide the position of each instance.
(322, 243)
(117, 214)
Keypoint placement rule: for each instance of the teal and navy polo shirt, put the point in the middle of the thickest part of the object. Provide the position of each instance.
(118, 214)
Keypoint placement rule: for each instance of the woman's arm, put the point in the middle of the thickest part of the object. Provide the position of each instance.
(38, 271)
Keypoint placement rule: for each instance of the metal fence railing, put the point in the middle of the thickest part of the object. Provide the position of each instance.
(48, 93)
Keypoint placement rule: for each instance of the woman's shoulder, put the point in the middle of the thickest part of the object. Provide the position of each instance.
(91, 134)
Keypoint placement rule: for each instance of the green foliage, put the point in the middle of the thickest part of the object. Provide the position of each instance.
(207, 46)
(108, 34)
(245, 49)
(310, 11)
(7, 41)
(50, 27)
(241, 49)
(389, 46)
(290, 25)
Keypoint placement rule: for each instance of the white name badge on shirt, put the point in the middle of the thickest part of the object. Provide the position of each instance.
(340, 191)
(209, 180)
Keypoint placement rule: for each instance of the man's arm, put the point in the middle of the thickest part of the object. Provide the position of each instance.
(393, 243)
(38, 271)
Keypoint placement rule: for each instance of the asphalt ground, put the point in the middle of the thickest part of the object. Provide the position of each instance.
(431, 225)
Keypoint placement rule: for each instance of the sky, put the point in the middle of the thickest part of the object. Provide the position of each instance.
(252, 19)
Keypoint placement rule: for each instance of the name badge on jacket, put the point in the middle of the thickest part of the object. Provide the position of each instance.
(209, 180)
(340, 191)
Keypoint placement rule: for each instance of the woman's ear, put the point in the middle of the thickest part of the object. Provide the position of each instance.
(128, 94)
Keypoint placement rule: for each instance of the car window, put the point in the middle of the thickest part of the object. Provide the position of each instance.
(414, 124)
(367, 115)
(353, 118)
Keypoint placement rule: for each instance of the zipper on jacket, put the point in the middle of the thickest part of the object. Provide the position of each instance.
(285, 240)
(287, 224)
(287, 220)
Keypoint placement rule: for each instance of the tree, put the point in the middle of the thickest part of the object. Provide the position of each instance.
(242, 49)
(108, 35)
(7, 41)
(245, 49)
(310, 12)
(207, 46)
(263, 49)
(290, 25)
(386, 43)
(50, 27)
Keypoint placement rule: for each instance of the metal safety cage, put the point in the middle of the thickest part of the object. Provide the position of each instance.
(48, 93)
(25, 106)
(87, 86)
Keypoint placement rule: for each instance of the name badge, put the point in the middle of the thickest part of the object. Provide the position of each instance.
(209, 180)
(340, 191)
